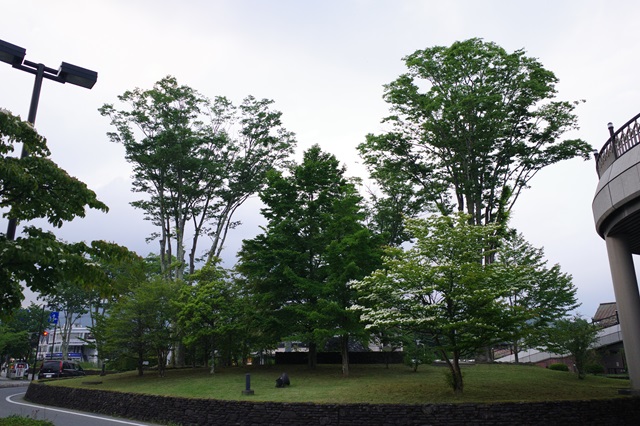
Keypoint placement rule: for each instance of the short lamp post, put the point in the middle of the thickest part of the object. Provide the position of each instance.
(67, 73)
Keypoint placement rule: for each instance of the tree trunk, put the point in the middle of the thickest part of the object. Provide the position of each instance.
(162, 362)
(180, 354)
(456, 375)
(454, 371)
(313, 355)
(140, 363)
(344, 352)
(213, 360)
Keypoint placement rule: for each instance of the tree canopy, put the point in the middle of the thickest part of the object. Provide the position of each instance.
(471, 125)
(313, 244)
(572, 336)
(35, 187)
(196, 161)
(140, 326)
(439, 287)
(538, 294)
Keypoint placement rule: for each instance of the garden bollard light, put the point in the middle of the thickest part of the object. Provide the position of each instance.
(247, 390)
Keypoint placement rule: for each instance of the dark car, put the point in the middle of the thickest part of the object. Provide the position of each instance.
(54, 369)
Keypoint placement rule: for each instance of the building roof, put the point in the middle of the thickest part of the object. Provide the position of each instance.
(607, 314)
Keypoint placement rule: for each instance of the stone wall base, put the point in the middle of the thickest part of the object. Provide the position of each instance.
(185, 411)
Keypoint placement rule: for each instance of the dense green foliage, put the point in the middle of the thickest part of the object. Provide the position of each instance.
(35, 187)
(439, 287)
(217, 318)
(594, 368)
(139, 325)
(559, 367)
(313, 244)
(572, 336)
(538, 295)
(196, 160)
(443, 288)
(20, 332)
(471, 125)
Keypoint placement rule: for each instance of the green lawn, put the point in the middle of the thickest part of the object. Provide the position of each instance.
(367, 383)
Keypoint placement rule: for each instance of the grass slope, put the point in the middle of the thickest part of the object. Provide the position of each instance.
(367, 383)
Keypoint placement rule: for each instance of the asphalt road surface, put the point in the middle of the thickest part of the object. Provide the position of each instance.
(12, 403)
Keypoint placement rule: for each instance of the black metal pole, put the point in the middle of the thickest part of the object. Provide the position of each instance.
(612, 138)
(33, 111)
(55, 328)
(35, 360)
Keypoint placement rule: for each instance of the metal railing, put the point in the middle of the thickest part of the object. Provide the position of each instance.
(620, 142)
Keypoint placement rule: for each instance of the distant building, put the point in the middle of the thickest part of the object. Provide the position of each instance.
(611, 350)
(81, 344)
(606, 315)
(608, 347)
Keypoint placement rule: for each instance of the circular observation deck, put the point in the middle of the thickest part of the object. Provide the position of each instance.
(616, 205)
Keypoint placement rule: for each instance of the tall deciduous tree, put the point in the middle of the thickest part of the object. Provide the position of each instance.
(196, 160)
(539, 295)
(313, 244)
(471, 126)
(440, 287)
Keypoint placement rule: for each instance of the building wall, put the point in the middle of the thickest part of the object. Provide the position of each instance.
(80, 345)
(612, 358)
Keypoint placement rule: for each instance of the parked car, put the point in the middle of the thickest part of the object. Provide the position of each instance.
(55, 369)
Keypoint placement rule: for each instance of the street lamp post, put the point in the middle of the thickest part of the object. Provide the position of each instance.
(67, 73)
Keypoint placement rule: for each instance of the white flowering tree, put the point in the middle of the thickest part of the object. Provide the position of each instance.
(440, 287)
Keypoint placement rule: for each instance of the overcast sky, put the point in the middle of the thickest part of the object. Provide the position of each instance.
(324, 64)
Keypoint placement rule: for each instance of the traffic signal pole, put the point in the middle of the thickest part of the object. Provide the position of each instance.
(40, 333)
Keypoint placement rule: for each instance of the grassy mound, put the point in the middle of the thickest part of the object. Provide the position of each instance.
(367, 383)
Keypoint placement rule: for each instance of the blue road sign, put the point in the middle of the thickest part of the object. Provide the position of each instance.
(53, 318)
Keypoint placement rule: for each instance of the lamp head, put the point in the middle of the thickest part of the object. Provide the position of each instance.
(79, 76)
(11, 54)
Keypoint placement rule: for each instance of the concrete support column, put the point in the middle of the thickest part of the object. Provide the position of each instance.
(625, 287)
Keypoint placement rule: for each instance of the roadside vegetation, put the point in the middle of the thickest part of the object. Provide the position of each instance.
(398, 384)
(23, 421)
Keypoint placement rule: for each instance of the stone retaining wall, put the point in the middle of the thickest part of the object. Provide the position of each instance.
(183, 411)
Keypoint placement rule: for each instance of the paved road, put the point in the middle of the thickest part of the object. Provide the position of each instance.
(12, 402)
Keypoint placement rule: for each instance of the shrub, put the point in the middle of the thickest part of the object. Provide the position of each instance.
(594, 368)
(559, 367)
(416, 356)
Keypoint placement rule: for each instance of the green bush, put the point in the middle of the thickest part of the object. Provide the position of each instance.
(594, 368)
(559, 367)
(417, 356)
